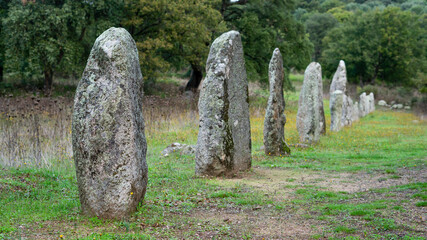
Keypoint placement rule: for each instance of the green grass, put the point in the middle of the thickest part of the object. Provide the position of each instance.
(296, 78)
(383, 224)
(344, 229)
(380, 145)
(179, 205)
(32, 195)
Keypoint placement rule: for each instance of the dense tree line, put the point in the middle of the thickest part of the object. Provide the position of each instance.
(44, 38)
(379, 40)
(382, 41)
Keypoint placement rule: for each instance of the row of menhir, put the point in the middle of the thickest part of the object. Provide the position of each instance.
(109, 144)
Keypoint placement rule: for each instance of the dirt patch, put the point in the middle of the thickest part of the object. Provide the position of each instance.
(301, 221)
(260, 224)
(274, 181)
(56, 229)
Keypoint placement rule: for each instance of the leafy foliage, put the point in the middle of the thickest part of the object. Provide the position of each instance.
(44, 33)
(317, 26)
(389, 44)
(379, 40)
(266, 25)
(55, 36)
(172, 32)
(3, 13)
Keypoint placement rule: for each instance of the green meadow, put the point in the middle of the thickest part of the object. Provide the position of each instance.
(367, 181)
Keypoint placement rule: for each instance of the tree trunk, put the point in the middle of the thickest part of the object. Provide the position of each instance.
(195, 79)
(372, 81)
(48, 79)
(223, 7)
(377, 69)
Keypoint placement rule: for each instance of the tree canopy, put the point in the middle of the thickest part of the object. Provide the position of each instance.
(53, 36)
(388, 44)
(266, 25)
(172, 32)
(379, 40)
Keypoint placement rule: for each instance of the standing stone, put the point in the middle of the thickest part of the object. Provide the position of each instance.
(322, 119)
(339, 81)
(347, 112)
(336, 103)
(366, 104)
(310, 116)
(274, 123)
(108, 137)
(224, 140)
(363, 107)
(355, 112)
(371, 102)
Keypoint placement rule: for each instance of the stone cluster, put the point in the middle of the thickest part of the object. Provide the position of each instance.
(393, 105)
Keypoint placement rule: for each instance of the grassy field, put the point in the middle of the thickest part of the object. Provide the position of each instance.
(368, 181)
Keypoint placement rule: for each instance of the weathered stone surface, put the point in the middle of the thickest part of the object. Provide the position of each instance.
(371, 102)
(274, 122)
(109, 144)
(322, 119)
(339, 81)
(407, 107)
(347, 112)
(310, 116)
(355, 112)
(224, 140)
(363, 105)
(366, 104)
(336, 100)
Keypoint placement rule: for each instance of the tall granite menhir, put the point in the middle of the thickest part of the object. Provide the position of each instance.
(224, 140)
(274, 122)
(109, 144)
(310, 116)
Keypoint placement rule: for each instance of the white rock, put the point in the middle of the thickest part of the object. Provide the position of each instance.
(382, 103)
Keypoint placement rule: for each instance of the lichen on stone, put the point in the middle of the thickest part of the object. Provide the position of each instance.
(109, 145)
(223, 145)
